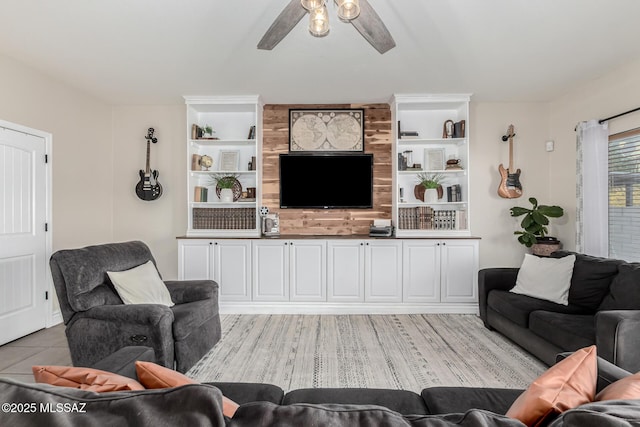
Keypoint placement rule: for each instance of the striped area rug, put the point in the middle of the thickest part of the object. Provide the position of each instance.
(407, 352)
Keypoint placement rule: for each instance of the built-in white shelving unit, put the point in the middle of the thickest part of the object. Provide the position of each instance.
(424, 116)
(232, 119)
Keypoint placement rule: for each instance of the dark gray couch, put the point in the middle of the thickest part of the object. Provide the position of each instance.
(268, 405)
(98, 323)
(604, 309)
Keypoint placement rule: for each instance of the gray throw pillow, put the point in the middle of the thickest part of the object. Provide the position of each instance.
(624, 293)
(591, 279)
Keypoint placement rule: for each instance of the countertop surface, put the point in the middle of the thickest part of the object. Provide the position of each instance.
(330, 237)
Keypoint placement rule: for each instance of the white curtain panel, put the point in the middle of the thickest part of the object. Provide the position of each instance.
(592, 190)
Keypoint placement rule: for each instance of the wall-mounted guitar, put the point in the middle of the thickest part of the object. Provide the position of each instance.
(510, 187)
(148, 188)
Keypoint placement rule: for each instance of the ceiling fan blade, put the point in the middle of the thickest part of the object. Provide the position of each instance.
(369, 24)
(288, 18)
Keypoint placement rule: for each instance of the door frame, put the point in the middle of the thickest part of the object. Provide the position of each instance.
(53, 315)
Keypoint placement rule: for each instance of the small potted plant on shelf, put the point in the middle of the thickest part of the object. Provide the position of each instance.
(534, 227)
(228, 187)
(205, 131)
(429, 187)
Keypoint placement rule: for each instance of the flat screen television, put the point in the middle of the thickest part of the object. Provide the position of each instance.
(326, 181)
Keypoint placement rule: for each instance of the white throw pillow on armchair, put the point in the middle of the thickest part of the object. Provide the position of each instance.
(545, 278)
(141, 285)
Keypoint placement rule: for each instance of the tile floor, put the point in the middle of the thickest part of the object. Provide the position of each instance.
(44, 347)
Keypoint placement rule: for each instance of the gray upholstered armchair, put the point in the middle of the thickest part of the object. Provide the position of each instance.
(98, 323)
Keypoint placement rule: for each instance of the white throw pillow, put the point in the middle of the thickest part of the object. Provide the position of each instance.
(545, 278)
(141, 285)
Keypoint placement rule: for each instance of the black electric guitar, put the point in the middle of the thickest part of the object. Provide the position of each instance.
(148, 188)
(510, 187)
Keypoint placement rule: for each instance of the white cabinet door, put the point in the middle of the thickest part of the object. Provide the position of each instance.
(308, 268)
(383, 271)
(232, 267)
(421, 271)
(270, 260)
(459, 270)
(346, 270)
(195, 259)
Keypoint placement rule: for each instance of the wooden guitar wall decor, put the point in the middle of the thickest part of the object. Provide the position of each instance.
(148, 188)
(510, 187)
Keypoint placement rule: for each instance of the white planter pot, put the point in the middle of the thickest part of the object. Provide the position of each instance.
(226, 195)
(430, 195)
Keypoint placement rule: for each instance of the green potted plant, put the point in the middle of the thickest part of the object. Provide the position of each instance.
(429, 187)
(225, 184)
(534, 227)
(206, 131)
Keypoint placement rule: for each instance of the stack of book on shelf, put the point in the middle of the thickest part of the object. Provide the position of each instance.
(224, 218)
(195, 162)
(407, 134)
(427, 218)
(454, 193)
(200, 194)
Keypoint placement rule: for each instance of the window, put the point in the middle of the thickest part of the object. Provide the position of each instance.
(624, 195)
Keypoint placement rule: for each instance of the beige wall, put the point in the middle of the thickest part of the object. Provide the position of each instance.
(548, 176)
(98, 149)
(611, 94)
(490, 217)
(157, 222)
(82, 151)
(97, 152)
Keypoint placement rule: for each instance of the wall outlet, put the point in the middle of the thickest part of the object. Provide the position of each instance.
(549, 145)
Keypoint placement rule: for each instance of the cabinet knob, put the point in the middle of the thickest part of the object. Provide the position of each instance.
(443, 243)
(361, 244)
(285, 243)
(437, 244)
(211, 243)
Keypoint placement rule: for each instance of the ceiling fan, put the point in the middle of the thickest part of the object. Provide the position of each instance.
(367, 22)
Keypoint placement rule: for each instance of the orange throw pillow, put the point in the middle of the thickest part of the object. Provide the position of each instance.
(152, 375)
(84, 378)
(565, 385)
(625, 388)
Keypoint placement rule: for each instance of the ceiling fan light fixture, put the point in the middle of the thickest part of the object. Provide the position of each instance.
(348, 9)
(319, 21)
(361, 16)
(311, 5)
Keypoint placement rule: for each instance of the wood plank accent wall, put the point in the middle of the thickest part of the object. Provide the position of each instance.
(328, 222)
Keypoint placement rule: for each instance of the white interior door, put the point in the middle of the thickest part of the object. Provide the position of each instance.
(23, 243)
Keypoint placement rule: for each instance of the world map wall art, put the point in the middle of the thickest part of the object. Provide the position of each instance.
(326, 130)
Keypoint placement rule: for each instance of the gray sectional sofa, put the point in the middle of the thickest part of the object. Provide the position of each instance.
(603, 309)
(268, 405)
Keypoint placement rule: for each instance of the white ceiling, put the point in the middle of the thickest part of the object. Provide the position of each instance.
(156, 51)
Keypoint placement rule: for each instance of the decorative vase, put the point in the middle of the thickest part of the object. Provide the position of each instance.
(431, 195)
(418, 192)
(226, 195)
